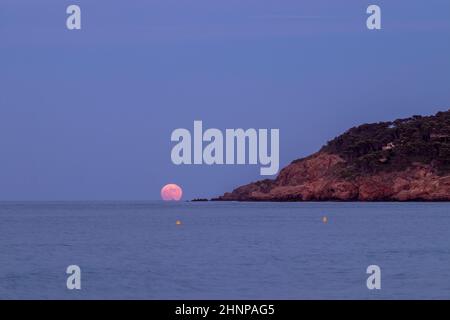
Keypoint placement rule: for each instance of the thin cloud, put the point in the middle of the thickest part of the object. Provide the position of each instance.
(289, 17)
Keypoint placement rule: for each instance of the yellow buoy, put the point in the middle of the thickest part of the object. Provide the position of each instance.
(325, 219)
(178, 223)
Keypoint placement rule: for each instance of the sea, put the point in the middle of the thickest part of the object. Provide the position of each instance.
(224, 250)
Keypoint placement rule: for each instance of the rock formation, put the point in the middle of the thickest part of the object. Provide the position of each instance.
(404, 160)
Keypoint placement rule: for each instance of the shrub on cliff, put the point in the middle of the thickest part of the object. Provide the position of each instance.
(387, 146)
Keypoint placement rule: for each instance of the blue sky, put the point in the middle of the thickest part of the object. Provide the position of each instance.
(87, 115)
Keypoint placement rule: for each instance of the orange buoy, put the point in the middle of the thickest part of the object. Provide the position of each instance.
(178, 223)
(325, 219)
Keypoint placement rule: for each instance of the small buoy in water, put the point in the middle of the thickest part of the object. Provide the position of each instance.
(178, 223)
(325, 219)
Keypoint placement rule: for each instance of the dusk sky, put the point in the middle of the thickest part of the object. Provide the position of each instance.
(88, 114)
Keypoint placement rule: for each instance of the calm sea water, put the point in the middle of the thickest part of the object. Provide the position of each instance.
(224, 250)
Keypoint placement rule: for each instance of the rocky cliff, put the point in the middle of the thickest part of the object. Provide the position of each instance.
(403, 160)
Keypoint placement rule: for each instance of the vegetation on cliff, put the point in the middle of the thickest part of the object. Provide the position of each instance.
(394, 146)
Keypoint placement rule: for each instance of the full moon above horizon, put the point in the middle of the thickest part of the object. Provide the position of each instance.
(171, 192)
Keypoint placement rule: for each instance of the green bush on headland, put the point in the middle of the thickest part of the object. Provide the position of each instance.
(388, 146)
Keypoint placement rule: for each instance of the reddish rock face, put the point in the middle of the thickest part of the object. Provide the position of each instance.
(318, 178)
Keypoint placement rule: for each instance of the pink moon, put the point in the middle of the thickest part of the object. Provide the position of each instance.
(171, 192)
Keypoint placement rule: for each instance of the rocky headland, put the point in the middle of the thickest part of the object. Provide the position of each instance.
(402, 160)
